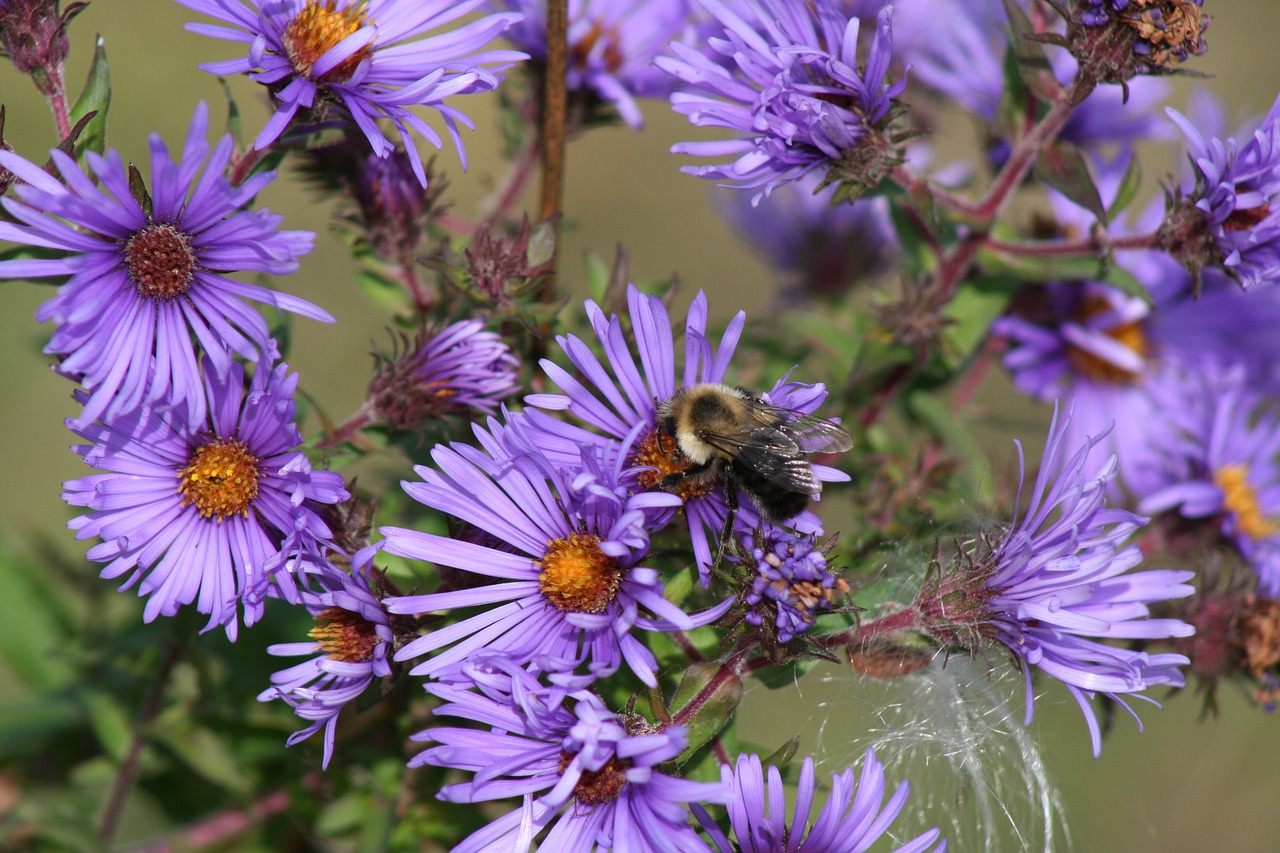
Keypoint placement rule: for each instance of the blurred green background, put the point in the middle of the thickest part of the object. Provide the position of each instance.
(1184, 785)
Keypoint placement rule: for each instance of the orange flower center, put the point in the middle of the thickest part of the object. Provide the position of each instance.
(221, 479)
(1129, 335)
(576, 576)
(315, 30)
(1241, 498)
(344, 636)
(659, 451)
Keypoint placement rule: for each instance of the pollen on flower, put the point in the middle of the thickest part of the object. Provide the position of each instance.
(1129, 335)
(316, 29)
(598, 787)
(659, 452)
(221, 479)
(344, 636)
(576, 576)
(1240, 497)
(160, 262)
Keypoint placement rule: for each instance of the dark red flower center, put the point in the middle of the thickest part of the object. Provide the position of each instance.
(160, 262)
(598, 787)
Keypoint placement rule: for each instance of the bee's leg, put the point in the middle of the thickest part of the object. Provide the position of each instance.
(728, 542)
(672, 481)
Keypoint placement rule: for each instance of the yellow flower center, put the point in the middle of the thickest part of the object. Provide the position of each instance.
(345, 636)
(576, 576)
(160, 262)
(1240, 497)
(1129, 335)
(315, 30)
(221, 479)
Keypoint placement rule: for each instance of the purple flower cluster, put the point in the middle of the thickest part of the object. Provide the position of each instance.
(366, 61)
(588, 776)
(791, 582)
(147, 274)
(1236, 186)
(854, 817)
(788, 81)
(218, 510)
(1059, 582)
(354, 636)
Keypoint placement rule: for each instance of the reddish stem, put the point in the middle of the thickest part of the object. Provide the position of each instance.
(1073, 248)
(348, 429)
(555, 108)
(891, 623)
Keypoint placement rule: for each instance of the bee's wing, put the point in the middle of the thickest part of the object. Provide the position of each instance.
(810, 434)
(771, 454)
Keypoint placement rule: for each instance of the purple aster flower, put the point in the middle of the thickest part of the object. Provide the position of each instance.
(353, 638)
(1219, 459)
(594, 773)
(1059, 582)
(620, 404)
(205, 511)
(1227, 218)
(793, 91)
(822, 248)
(146, 275)
(462, 367)
(854, 817)
(612, 44)
(367, 59)
(1109, 352)
(792, 583)
(572, 574)
(1118, 39)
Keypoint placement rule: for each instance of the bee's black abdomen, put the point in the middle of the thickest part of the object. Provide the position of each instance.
(774, 502)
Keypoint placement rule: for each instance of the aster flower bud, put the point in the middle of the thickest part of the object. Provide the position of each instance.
(790, 582)
(34, 36)
(501, 266)
(392, 209)
(460, 368)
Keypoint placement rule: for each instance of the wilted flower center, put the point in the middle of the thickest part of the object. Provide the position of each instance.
(344, 636)
(1173, 28)
(1240, 497)
(598, 787)
(315, 30)
(580, 50)
(659, 451)
(1129, 335)
(576, 576)
(160, 262)
(221, 479)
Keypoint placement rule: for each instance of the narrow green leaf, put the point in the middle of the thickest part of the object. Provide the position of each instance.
(1034, 67)
(1062, 166)
(205, 753)
(971, 312)
(94, 98)
(110, 722)
(1042, 269)
(1128, 188)
(1123, 280)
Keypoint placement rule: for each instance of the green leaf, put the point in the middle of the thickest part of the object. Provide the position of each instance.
(94, 98)
(597, 270)
(1032, 65)
(1042, 269)
(233, 115)
(1123, 280)
(384, 293)
(1128, 188)
(1062, 166)
(204, 752)
(110, 723)
(971, 312)
(716, 710)
(37, 623)
(935, 414)
(26, 724)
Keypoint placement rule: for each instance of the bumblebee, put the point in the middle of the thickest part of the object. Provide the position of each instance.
(731, 435)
